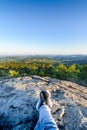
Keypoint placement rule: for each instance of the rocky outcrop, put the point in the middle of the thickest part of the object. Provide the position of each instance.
(18, 97)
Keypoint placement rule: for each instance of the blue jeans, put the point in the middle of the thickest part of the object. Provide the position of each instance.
(45, 121)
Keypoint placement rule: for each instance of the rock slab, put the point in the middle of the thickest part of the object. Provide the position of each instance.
(18, 97)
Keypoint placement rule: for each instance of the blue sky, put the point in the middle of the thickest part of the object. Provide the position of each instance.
(43, 27)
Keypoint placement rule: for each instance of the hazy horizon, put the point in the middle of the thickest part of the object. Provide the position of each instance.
(20, 55)
(43, 27)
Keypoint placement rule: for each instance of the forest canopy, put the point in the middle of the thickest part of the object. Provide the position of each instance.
(74, 72)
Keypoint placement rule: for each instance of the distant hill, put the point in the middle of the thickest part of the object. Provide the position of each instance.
(65, 59)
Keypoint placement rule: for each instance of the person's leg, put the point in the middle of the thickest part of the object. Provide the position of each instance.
(45, 121)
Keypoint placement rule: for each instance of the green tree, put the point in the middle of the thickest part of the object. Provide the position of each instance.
(13, 73)
(41, 73)
(3, 73)
(73, 72)
(83, 73)
(61, 71)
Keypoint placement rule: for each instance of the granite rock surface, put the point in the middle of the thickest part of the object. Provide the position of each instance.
(18, 97)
